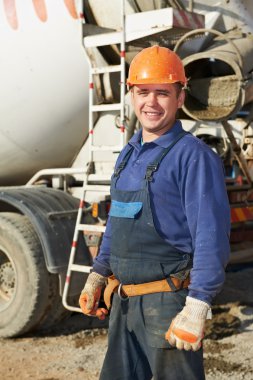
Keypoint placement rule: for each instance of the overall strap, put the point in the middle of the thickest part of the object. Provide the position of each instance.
(151, 168)
(123, 163)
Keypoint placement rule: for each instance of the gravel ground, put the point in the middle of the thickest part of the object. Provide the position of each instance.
(75, 349)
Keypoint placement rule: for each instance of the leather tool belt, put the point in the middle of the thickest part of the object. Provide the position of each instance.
(124, 291)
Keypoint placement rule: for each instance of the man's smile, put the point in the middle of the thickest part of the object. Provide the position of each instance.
(152, 113)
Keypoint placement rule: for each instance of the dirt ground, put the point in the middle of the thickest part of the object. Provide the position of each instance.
(75, 349)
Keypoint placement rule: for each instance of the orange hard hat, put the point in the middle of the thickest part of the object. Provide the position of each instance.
(154, 65)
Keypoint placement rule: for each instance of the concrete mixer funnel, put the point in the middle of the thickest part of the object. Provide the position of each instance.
(218, 84)
(214, 88)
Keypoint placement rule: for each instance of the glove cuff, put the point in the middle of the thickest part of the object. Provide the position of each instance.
(94, 281)
(196, 308)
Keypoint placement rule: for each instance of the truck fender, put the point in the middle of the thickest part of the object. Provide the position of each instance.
(53, 215)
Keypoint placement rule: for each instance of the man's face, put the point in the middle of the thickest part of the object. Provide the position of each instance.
(156, 105)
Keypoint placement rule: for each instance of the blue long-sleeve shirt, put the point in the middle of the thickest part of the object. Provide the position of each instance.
(189, 205)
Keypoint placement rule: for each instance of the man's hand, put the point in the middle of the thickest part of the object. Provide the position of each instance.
(187, 328)
(90, 296)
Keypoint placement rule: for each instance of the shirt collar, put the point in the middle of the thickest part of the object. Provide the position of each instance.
(164, 141)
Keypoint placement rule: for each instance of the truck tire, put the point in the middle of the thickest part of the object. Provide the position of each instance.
(55, 312)
(26, 287)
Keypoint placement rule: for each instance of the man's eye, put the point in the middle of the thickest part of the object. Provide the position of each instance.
(162, 93)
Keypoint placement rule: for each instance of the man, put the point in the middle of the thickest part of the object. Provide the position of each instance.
(169, 222)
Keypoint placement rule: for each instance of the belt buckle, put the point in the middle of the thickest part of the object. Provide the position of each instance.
(119, 294)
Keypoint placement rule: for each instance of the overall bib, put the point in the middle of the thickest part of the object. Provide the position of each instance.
(137, 347)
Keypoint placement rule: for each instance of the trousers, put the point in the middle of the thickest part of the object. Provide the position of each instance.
(137, 349)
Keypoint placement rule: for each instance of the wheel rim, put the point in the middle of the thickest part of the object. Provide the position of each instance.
(7, 280)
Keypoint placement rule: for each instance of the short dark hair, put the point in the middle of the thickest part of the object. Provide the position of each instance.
(179, 87)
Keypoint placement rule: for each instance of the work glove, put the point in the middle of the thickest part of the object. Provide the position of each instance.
(187, 328)
(90, 296)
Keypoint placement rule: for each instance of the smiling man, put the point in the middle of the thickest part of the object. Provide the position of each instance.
(166, 243)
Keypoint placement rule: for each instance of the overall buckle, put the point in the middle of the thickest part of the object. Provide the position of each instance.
(120, 293)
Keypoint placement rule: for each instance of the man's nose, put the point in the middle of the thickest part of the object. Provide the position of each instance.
(152, 98)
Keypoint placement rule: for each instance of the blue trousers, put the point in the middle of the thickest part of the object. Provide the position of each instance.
(137, 349)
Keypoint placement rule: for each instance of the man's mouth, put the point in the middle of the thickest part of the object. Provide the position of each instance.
(152, 113)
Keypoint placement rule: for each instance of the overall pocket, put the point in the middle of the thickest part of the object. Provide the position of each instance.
(158, 311)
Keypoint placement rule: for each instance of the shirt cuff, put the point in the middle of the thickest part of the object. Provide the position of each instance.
(101, 269)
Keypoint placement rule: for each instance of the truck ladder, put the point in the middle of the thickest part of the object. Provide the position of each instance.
(94, 108)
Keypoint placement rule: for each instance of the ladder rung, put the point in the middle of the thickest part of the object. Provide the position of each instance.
(97, 188)
(106, 107)
(91, 228)
(106, 69)
(99, 178)
(80, 268)
(103, 39)
(104, 148)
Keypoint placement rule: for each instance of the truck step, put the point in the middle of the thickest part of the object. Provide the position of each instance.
(149, 25)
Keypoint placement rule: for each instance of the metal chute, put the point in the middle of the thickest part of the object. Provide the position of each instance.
(220, 78)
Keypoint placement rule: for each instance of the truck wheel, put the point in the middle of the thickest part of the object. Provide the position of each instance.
(55, 309)
(26, 287)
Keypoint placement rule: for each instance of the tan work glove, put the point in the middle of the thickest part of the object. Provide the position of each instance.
(187, 328)
(90, 296)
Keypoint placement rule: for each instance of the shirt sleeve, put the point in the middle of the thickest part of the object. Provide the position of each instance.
(101, 263)
(208, 214)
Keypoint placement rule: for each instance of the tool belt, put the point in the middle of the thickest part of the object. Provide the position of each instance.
(124, 291)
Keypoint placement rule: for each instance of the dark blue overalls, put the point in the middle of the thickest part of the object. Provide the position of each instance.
(137, 349)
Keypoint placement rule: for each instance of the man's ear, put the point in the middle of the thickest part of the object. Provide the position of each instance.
(181, 98)
(132, 95)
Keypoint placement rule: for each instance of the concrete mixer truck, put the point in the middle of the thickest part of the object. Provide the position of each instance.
(65, 115)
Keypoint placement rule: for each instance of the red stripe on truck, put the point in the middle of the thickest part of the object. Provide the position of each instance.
(71, 7)
(11, 13)
(40, 9)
